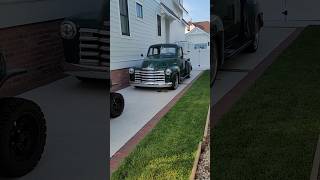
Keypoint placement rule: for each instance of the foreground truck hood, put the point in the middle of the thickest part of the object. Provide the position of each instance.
(159, 64)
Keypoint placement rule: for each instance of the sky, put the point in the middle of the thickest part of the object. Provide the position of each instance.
(199, 10)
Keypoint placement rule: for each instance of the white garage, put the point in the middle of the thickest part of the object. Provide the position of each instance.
(200, 51)
(291, 12)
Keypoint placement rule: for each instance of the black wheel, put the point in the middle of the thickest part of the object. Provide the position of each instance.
(175, 82)
(22, 136)
(255, 39)
(214, 65)
(189, 72)
(116, 104)
(2, 66)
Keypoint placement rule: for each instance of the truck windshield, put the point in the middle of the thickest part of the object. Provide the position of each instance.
(162, 52)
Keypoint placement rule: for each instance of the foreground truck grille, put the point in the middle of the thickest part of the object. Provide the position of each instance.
(94, 46)
(146, 76)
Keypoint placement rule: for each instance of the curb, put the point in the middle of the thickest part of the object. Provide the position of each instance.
(130, 145)
(198, 152)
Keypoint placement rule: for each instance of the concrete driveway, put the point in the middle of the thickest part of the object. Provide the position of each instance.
(141, 105)
(237, 68)
(77, 130)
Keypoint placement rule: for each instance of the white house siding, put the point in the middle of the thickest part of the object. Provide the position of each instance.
(21, 12)
(177, 31)
(125, 51)
(198, 38)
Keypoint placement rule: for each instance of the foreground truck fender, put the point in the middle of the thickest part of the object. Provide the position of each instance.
(22, 131)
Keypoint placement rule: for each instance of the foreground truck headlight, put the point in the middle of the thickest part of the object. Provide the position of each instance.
(131, 71)
(68, 30)
(168, 72)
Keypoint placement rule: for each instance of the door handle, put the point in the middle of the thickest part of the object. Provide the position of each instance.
(285, 12)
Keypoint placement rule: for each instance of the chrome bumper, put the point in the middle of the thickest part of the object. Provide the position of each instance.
(87, 71)
(151, 84)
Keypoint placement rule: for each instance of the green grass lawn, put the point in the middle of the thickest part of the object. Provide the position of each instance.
(272, 131)
(168, 151)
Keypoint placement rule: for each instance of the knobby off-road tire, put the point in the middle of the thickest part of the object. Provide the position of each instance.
(22, 136)
(116, 105)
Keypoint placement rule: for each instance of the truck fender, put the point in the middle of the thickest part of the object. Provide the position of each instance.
(218, 38)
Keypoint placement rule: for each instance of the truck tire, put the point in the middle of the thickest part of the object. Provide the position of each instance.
(116, 105)
(214, 65)
(255, 39)
(189, 71)
(2, 66)
(22, 136)
(175, 83)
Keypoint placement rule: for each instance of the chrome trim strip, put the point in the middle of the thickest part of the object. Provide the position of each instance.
(149, 84)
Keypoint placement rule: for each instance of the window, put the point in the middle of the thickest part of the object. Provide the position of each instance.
(159, 25)
(124, 15)
(162, 51)
(139, 10)
(201, 46)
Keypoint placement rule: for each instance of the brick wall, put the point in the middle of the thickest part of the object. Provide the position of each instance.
(36, 47)
(120, 79)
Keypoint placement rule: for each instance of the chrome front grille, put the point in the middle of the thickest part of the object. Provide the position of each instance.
(145, 76)
(94, 46)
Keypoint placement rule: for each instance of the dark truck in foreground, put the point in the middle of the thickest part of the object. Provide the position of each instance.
(22, 130)
(164, 67)
(236, 26)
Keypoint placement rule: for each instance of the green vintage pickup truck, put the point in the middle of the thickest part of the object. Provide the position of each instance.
(236, 26)
(164, 66)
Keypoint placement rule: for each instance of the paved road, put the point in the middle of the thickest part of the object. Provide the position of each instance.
(141, 106)
(77, 130)
(237, 68)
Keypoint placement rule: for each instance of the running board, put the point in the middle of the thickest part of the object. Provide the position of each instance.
(183, 78)
(229, 53)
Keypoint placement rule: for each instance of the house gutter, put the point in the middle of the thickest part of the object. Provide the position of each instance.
(169, 11)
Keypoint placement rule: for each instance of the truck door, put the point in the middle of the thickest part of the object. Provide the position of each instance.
(230, 13)
(181, 60)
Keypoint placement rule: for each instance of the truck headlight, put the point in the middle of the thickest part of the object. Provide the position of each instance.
(168, 72)
(131, 71)
(68, 30)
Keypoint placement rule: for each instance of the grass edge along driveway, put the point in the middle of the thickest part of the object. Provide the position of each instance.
(168, 151)
(272, 131)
